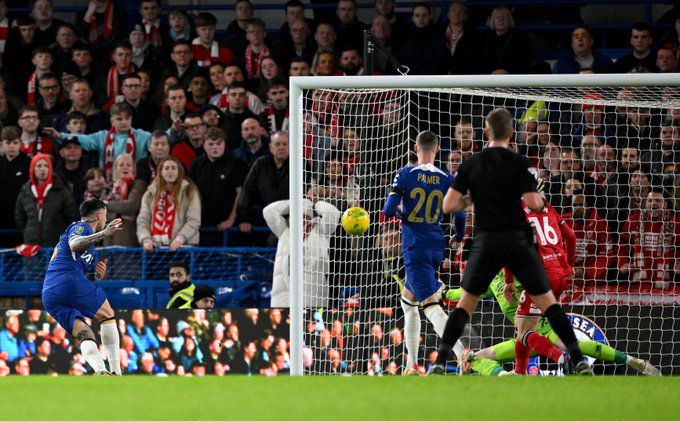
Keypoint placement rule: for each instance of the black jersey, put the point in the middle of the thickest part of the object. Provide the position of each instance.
(496, 179)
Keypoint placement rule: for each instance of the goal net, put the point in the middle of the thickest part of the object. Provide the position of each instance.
(608, 147)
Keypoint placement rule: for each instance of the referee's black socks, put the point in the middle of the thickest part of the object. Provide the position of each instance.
(454, 328)
(560, 324)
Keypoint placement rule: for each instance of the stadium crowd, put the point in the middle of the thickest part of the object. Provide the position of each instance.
(162, 343)
(179, 129)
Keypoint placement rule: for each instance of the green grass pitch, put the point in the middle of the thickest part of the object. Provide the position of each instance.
(321, 398)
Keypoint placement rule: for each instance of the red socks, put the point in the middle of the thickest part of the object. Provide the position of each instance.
(522, 354)
(542, 346)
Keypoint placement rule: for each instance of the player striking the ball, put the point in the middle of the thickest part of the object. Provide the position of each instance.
(420, 189)
(68, 293)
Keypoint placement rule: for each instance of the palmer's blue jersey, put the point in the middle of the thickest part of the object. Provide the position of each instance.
(66, 262)
(422, 189)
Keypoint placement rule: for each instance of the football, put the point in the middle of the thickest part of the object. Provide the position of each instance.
(355, 221)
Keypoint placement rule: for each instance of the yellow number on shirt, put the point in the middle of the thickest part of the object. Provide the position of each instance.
(430, 206)
(54, 253)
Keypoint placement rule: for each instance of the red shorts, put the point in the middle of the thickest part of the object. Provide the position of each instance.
(526, 305)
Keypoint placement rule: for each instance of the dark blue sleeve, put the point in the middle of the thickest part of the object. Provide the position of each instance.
(459, 222)
(394, 198)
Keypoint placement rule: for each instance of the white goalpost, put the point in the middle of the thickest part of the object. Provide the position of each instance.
(608, 147)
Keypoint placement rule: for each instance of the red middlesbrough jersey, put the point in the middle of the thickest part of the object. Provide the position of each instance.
(549, 238)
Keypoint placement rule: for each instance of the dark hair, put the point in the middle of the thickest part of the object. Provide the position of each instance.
(293, 3)
(26, 108)
(180, 42)
(421, 5)
(276, 81)
(122, 44)
(92, 173)
(205, 19)
(499, 123)
(464, 119)
(256, 22)
(47, 76)
(427, 141)
(159, 133)
(40, 50)
(89, 207)
(132, 75)
(215, 133)
(190, 115)
(242, 1)
(121, 108)
(25, 21)
(641, 26)
(176, 87)
(179, 264)
(236, 85)
(10, 133)
(75, 115)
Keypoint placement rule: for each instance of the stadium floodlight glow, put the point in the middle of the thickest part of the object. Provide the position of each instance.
(323, 109)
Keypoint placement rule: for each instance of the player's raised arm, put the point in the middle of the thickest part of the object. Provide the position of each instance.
(79, 243)
(454, 201)
(394, 198)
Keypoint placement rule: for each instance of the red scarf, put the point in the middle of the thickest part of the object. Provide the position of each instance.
(113, 81)
(453, 38)
(110, 154)
(204, 56)
(31, 88)
(4, 33)
(40, 191)
(39, 145)
(224, 101)
(163, 217)
(272, 120)
(108, 25)
(152, 169)
(121, 189)
(152, 33)
(253, 61)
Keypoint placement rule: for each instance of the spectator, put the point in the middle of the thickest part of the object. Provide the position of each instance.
(583, 57)
(14, 173)
(266, 182)
(204, 298)
(325, 64)
(461, 41)
(347, 26)
(128, 353)
(233, 74)
(62, 49)
(269, 71)
(236, 114)
(276, 113)
(80, 94)
(170, 215)
(46, 24)
(664, 158)
(176, 109)
(148, 365)
(592, 122)
(295, 42)
(453, 161)
(20, 46)
(120, 139)
(77, 369)
(102, 24)
(236, 30)
(636, 131)
(9, 342)
(570, 168)
(124, 201)
(589, 146)
(594, 248)
(159, 149)
(181, 289)
(384, 63)
(423, 50)
(191, 144)
(205, 48)
(180, 26)
(72, 167)
(505, 49)
(144, 55)
(96, 186)
(256, 50)
(32, 142)
(4, 28)
(650, 240)
(80, 63)
(43, 362)
(183, 64)
(199, 88)
(322, 219)
(156, 31)
(325, 37)
(41, 58)
(219, 177)
(189, 354)
(398, 26)
(50, 103)
(44, 207)
(299, 67)
(351, 62)
(619, 197)
(212, 116)
(142, 336)
(666, 60)
(642, 59)
(295, 13)
(254, 145)
(9, 106)
(144, 113)
(22, 367)
(110, 84)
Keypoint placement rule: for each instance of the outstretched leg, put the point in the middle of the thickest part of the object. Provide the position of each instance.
(110, 336)
(88, 346)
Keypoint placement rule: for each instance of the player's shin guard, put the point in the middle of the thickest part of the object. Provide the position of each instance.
(454, 328)
(111, 344)
(542, 345)
(91, 354)
(522, 353)
(560, 324)
(411, 330)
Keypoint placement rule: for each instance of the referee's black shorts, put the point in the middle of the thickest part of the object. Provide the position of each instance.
(491, 251)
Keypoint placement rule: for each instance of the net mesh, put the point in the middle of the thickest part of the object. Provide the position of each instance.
(609, 157)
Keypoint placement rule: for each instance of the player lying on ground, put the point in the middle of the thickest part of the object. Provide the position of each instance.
(69, 295)
(420, 190)
(488, 362)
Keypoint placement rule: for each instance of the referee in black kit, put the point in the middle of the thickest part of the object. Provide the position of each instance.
(497, 180)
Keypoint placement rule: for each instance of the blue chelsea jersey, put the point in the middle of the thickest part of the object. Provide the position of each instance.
(422, 188)
(66, 261)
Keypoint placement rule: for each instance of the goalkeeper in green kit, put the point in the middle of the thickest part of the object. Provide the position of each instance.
(488, 362)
